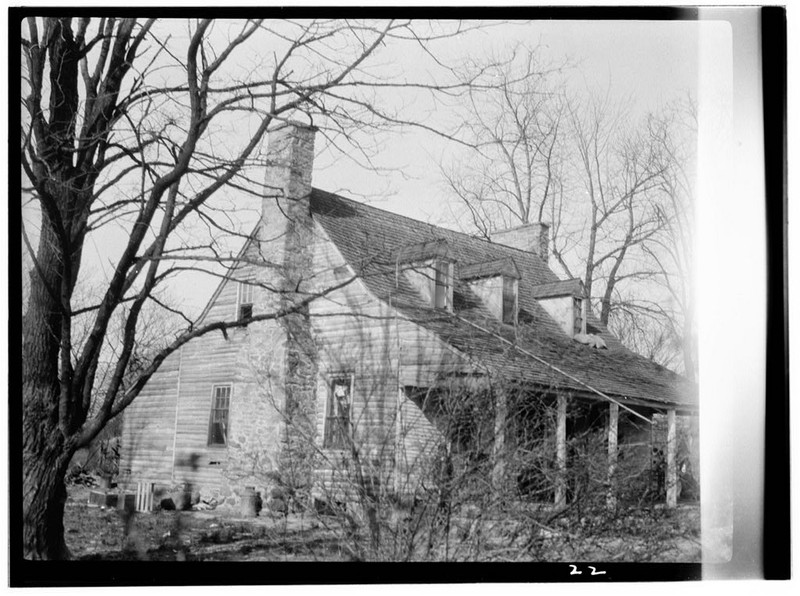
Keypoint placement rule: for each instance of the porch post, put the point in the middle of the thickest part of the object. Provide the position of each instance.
(672, 469)
(561, 452)
(399, 451)
(613, 425)
(498, 448)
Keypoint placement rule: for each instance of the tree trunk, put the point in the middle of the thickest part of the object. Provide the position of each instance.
(605, 310)
(46, 452)
(605, 303)
(43, 497)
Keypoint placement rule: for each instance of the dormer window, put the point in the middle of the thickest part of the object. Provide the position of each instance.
(443, 285)
(244, 310)
(429, 268)
(510, 291)
(496, 283)
(580, 323)
(564, 302)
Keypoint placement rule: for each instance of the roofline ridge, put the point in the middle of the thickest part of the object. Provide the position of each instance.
(419, 221)
(523, 225)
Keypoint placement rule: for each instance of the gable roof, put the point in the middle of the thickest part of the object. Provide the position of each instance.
(505, 267)
(371, 240)
(568, 287)
(423, 250)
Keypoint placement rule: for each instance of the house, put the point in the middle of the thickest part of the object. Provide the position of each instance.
(402, 341)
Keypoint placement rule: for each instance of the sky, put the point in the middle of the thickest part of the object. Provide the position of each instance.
(644, 63)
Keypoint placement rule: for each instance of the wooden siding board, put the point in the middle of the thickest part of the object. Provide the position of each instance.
(357, 333)
(147, 427)
(150, 428)
(363, 335)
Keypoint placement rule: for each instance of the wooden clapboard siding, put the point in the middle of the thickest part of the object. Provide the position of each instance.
(206, 363)
(224, 301)
(364, 336)
(355, 333)
(418, 440)
(150, 428)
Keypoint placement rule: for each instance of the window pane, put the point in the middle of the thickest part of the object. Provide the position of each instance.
(509, 300)
(245, 292)
(218, 426)
(218, 433)
(245, 301)
(341, 397)
(245, 312)
(441, 286)
(578, 309)
(337, 421)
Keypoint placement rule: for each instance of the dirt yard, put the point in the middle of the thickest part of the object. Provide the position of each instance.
(94, 533)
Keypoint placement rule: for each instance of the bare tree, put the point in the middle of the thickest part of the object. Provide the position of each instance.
(129, 126)
(646, 327)
(672, 250)
(619, 168)
(513, 125)
(576, 163)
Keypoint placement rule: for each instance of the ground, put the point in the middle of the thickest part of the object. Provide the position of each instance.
(96, 533)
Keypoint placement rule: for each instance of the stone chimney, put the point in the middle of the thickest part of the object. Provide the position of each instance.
(286, 229)
(287, 240)
(290, 161)
(532, 237)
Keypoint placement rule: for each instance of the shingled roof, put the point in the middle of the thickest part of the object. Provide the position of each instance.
(568, 287)
(489, 268)
(371, 239)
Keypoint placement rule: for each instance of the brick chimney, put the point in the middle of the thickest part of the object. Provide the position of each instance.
(532, 237)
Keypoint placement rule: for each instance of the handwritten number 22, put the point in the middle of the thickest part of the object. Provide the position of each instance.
(594, 570)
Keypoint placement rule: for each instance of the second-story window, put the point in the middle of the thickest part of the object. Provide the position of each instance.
(244, 310)
(577, 307)
(510, 286)
(443, 284)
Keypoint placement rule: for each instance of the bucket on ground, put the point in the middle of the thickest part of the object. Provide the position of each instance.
(250, 502)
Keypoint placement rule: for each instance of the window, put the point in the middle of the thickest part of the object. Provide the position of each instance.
(218, 424)
(509, 300)
(245, 309)
(577, 307)
(337, 418)
(442, 291)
